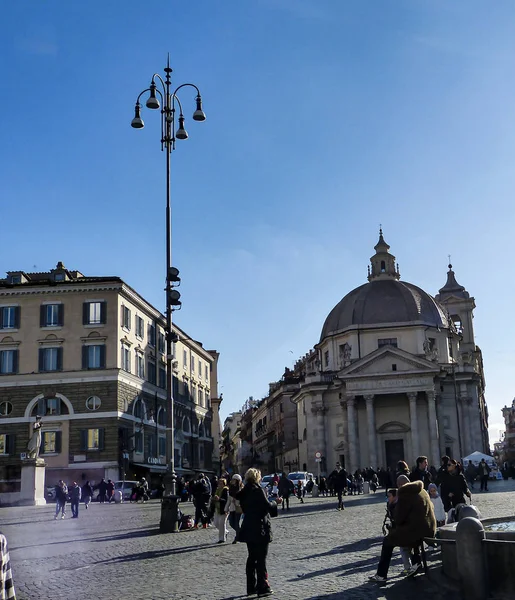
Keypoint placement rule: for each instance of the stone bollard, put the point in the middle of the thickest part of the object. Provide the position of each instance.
(315, 492)
(469, 510)
(471, 558)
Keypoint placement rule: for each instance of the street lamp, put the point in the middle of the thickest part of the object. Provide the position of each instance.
(168, 102)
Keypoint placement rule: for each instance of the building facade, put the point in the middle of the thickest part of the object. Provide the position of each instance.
(396, 374)
(88, 355)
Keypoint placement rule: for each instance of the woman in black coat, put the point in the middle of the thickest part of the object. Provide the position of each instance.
(256, 531)
(453, 487)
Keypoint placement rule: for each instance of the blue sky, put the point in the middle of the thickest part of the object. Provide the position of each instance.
(325, 118)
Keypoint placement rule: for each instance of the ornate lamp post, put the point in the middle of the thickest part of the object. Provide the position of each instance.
(161, 97)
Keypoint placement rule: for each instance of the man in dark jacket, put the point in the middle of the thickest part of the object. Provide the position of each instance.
(421, 473)
(338, 480)
(61, 496)
(286, 489)
(484, 473)
(414, 520)
(102, 490)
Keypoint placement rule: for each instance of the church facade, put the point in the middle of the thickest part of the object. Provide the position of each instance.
(396, 374)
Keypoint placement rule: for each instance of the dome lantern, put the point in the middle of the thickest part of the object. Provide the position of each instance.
(383, 263)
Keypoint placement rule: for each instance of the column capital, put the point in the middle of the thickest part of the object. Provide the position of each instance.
(431, 395)
(412, 396)
(369, 398)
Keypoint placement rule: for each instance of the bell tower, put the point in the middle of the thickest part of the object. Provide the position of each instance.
(460, 306)
(383, 263)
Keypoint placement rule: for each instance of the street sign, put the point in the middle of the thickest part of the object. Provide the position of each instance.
(318, 455)
(318, 460)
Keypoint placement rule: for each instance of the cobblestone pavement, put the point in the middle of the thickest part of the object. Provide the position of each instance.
(116, 551)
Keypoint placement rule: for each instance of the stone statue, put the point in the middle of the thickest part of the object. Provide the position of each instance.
(345, 354)
(35, 441)
(427, 348)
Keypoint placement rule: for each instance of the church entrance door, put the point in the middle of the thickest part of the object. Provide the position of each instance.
(394, 452)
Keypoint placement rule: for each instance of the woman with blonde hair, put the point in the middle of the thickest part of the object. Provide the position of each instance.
(256, 531)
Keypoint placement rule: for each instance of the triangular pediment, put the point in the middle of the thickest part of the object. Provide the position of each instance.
(380, 362)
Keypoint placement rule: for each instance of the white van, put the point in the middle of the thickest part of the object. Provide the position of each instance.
(302, 476)
(127, 488)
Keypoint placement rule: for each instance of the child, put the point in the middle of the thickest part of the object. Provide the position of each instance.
(298, 491)
(390, 505)
(437, 504)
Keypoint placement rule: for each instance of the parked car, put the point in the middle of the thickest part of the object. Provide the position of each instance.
(126, 487)
(266, 480)
(301, 476)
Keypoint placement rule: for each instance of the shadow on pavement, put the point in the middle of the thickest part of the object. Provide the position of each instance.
(152, 554)
(352, 547)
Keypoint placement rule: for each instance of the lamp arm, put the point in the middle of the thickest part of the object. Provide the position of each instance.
(156, 75)
(174, 98)
(141, 94)
(186, 85)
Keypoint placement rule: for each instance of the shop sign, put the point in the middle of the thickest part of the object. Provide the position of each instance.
(155, 461)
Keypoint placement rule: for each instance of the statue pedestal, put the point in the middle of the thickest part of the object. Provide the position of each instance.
(32, 492)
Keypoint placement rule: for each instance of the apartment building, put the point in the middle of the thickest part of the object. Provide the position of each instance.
(88, 355)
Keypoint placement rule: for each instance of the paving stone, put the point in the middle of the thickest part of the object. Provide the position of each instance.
(117, 551)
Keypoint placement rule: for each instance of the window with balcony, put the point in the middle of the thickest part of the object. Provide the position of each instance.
(50, 359)
(52, 315)
(140, 365)
(162, 378)
(206, 372)
(9, 317)
(161, 343)
(94, 313)
(8, 362)
(94, 356)
(162, 446)
(152, 372)
(126, 358)
(193, 364)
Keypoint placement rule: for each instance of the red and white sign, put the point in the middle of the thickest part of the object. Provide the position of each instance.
(318, 455)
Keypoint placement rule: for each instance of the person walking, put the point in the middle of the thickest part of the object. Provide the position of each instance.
(286, 489)
(256, 532)
(338, 479)
(202, 496)
(102, 490)
(470, 474)
(484, 474)
(233, 506)
(61, 496)
(220, 515)
(421, 472)
(87, 494)
(75, 495)
(110, 490)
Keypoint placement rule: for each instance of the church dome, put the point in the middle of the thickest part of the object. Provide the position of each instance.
(384, 299)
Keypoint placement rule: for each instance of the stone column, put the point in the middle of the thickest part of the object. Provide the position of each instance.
(465, 424)
(318, 410)
(413, 424)
(352, 423)
(372, 437)
(440, 427)
(433, 430)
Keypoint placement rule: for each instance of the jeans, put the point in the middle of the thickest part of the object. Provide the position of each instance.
(385, 559)
(60, 505)
(234, 521)
(340, 498)
(220, 521)
(75, 508)
(257, 576)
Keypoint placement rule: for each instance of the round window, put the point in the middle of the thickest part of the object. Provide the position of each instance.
(6, 408)
(93, 403)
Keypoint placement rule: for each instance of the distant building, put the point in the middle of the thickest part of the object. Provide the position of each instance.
(88, 355)
(507, 450)
(231, 443)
